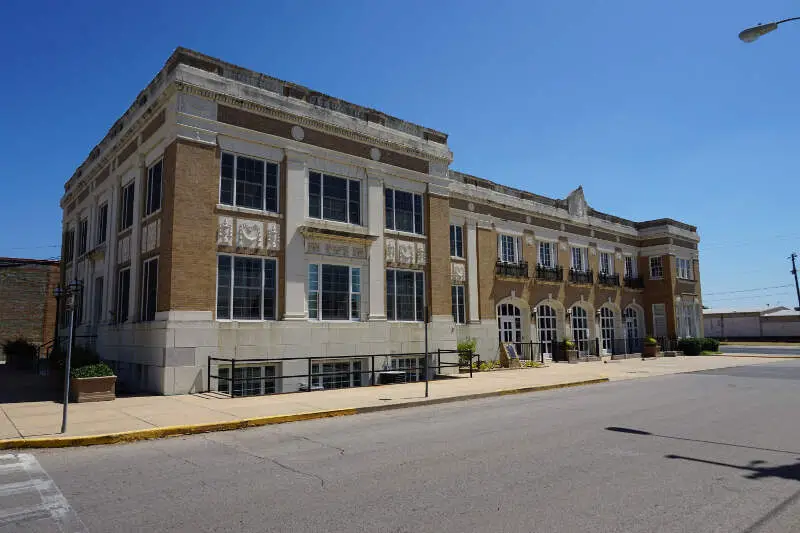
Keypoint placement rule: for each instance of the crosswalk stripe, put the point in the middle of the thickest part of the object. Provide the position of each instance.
(21, 514)
(8, 489)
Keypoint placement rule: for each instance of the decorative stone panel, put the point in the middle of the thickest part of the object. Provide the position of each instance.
(405, 253)
(225, 231)
(124, 249)
(273, 236)
(151, 236)
(458, 273)
(421, 255)
(391, 250)
(249, 234)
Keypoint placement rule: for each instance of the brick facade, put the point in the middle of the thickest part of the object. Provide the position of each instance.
(27, 305)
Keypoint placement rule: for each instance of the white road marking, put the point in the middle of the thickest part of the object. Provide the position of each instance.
(52, 504)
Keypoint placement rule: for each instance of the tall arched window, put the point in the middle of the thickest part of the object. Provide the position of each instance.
(607, 329)
(580, 329)
(547, 329)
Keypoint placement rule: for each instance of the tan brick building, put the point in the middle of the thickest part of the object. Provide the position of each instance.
(27, 305)
(231, 214)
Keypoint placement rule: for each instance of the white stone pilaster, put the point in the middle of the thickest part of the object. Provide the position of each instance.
(110, 282)
(377, 270)
(136, 236)
(472, 271)
(295, 213)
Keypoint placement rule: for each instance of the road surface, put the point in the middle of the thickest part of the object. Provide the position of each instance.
(715, 451)
(765, 349)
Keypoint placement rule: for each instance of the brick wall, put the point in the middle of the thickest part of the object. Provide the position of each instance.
(439, 255)
(27, 307)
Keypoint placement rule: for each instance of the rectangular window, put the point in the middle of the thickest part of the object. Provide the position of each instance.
(247, 380)
(102, 223)
(152, 197)
(403, 211)
(334, 292)
(336, 374)
(126, 206)
(547, 254)
(334, 198)
(656, 268)
(79, 305)
(459, 316)
(414, 367)
(69, 246)
(683, 268)
(248, 182)
(83, 234)
(580, 262)
(246, 288)
(123, 295)
(606, 263)
(630, 267)
(510, 248)
(405, 295)
(456, 241)
(659, 320)
(98, 299)
(147, 310)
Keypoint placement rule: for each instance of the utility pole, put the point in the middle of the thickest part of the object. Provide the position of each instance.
(794, 273)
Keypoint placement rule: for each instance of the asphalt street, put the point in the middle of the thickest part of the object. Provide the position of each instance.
(715, 451)
(761, 349)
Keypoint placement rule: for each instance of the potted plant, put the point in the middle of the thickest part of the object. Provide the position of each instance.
(570, 351)
(650, 347)
(92, 383)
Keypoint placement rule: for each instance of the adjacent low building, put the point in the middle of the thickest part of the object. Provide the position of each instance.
(27, 305)
(231, 214)
(745, 324)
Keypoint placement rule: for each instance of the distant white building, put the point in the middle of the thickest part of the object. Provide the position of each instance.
(753, 323)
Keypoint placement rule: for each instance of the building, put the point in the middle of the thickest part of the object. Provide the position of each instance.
(27, 306)
(760, 323)
(231, 214)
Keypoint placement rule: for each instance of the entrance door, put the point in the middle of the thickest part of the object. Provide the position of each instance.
(509, 322)
(607, 330)
(547, 330)
(633, 343)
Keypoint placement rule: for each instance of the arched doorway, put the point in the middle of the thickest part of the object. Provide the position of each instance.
(509, 324)
(633, 332)
(548, 329)
(607, 330)
(580, 329)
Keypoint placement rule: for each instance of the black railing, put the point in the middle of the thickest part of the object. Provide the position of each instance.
(581, 276)
(256, 377)
(546, 273)
(634, 282)
(609, 280)
(511, 270)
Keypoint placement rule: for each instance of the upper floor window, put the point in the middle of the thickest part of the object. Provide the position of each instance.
(403, 211)
(152, 197)
(123, 295)
(102, 223)
(457, 295)
(510, 249)
(606, 263)
(83, 234)
(683, 268)
(248, 182)
(334, 198)
(149, 287)
(334, 292)
(69, 246)
(456, 241)
(630, 267)
(246, 288)
(656, 267)
(126, 206)
(547, 254)
(580, 261)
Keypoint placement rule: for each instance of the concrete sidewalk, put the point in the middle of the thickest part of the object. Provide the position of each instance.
(42, 419)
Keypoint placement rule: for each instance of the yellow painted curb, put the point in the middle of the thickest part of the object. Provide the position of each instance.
(192, 429)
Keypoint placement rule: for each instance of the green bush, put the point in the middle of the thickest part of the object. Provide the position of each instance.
(710, 345)
(690, 346)
(568, 345)
(485, 366)
(97, 370)
(531, 364)
(650, 341)
(467, 345)
(81, 356)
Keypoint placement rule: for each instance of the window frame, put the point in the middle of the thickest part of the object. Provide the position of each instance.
(517, 248)
(101, 235)
(127, 206)
(656, 263)
(150, 207)
(119, 309)
(348, 199)
(393, 217)
(267, 162)
(354, 296)
(417, 312)
(232, 287)
(584, 255)
(144, 292)
(457, 241)
(98, 297)
(458, 304)
(69, 246)
(610, 259)
(633, 273)
(263, 380)
(355, 377)
(83, 236)
(684, 273)
(551, 251)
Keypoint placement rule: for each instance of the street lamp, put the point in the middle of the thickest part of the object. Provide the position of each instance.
(751, 34)
(58, 292)
(73, 292)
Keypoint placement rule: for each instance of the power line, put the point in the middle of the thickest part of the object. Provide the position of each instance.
(784, 294)
(36, 247)
(749, 290)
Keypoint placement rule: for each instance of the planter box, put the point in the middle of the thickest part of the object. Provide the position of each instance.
(649, 351)
(572, 356)
(92, 389)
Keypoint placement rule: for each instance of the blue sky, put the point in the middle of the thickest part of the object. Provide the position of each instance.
(656, 108)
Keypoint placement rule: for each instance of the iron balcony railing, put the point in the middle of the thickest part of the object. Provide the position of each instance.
(512, 270)
(634, 282)
(581, 276)
(546, 273)
(609, 280)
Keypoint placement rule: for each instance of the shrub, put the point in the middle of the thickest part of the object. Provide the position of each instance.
(467, 345)
(650, 341)
(485, 366)
(81, 356)
(710, 345)
(97, 370)
(531, 364)
(568, 345)
(690, 346)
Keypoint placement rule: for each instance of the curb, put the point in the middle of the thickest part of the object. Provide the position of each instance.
(193, 429)
(765, 356)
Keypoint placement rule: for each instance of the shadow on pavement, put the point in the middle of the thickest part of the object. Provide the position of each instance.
(632, 431)
(17, 386)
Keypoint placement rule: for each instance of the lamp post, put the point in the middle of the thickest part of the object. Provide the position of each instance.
(58, 292)
(751, 34)
(73, 292)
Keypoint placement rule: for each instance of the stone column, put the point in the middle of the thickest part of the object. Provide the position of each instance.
(472, 272)
(295, 215)
(377, 270)
(110, 283)
(136, 237)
